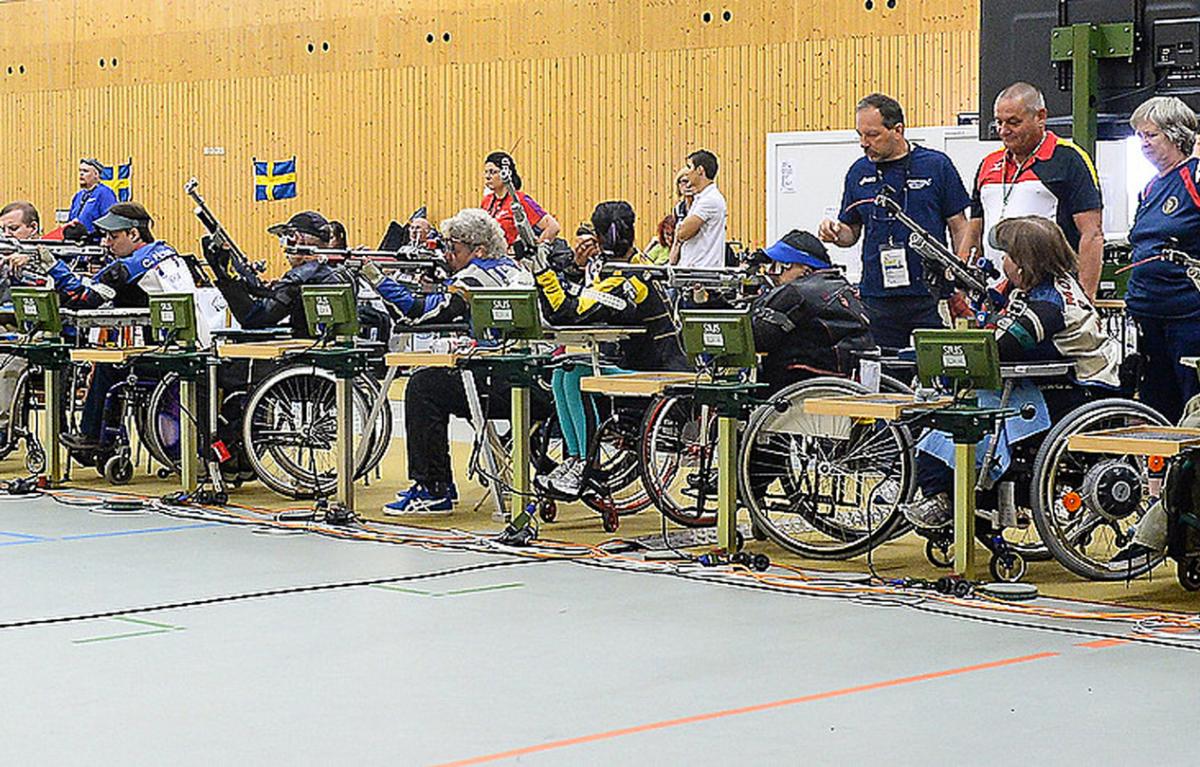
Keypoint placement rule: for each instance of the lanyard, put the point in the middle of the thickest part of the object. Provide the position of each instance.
(1006, 188)
(906, 166)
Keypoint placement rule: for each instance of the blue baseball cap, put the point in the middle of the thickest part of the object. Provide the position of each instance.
(800, 247)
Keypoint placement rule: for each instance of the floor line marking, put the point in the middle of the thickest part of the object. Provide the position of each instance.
(1100, 644)
(141, 531)
(23, 543)
(24, 536)
(610, 734)
(130, 635)
(451, 593)
(143, 622)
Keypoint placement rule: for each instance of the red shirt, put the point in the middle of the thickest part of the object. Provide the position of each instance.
(501, 210)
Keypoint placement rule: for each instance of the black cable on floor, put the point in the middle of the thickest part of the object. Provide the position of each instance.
(266, 593)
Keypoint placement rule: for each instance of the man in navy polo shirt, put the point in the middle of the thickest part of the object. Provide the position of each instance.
(90, 203)
(929, 188)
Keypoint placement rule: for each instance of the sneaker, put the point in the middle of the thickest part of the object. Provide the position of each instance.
(570, 482)
(543, 481)
(419, 500)
(1135, 554)
(929, 513)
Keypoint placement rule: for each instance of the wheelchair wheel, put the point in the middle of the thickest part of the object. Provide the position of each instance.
(290, 427)
(824, 487)
(160, 429)
(611, 480)
(1086, 504)
(678, 458)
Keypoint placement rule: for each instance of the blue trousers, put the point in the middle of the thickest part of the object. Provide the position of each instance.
(1166, 385)
(894, 319)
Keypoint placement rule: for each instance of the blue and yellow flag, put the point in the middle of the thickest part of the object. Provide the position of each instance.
(274, 180)
(119, 181)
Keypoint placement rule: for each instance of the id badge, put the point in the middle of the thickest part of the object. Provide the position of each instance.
(895, 267)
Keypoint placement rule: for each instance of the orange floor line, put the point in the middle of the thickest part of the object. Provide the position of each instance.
(610, 734)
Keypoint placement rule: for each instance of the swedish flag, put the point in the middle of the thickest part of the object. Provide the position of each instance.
(119, 180)
(274, 180)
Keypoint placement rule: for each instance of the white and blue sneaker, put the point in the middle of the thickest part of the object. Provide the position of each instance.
(419, 500)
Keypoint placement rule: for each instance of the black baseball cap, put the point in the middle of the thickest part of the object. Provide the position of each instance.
(800, 247)
(305, 222)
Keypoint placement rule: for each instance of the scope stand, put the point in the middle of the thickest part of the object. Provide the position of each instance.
(191, 367)
(731, 400)
(53, 357)
(345, 362)
(966, 424)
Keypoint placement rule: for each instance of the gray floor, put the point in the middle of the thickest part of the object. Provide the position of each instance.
(551, 663)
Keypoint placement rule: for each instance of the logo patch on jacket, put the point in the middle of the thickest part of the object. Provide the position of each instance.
(1171, 205)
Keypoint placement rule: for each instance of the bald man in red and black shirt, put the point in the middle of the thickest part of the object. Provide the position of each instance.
(1037, 174)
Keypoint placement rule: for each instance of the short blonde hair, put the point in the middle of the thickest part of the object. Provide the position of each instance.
(475, 227)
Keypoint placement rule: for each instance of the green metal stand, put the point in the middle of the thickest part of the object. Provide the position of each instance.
(191, 367)
(346, 363)
(732, 401)
(1084, 45)
(519, 370)
(966, 426)
(53, 357)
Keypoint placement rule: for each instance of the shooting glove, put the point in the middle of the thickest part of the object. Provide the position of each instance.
(372, 273)
(45, 259)
(540, 261)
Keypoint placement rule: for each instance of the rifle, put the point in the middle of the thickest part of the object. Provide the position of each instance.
(408, 264)
(700, 281)
(525, 232)
(76, 256)
(973, 280)
(243, 269)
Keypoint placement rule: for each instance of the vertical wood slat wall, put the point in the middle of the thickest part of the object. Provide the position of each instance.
(601, 99)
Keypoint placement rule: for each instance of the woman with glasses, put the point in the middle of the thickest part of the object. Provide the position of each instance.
(500, 206)
(1162, 297)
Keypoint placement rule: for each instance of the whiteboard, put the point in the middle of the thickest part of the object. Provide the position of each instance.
(806, 171)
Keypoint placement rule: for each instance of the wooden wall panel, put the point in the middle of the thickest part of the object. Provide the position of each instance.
(598, 99)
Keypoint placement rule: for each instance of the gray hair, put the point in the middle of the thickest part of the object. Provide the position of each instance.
(1170, 115)
(475, 227)
(1027, 95)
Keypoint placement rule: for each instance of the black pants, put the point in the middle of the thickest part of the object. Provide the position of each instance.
(894, 319)
(431, 397)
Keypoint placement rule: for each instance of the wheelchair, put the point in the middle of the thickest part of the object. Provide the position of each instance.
(23, 408)
(611, 476)
(278, 427)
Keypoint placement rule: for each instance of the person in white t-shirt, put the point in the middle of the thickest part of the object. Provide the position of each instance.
(700, 237)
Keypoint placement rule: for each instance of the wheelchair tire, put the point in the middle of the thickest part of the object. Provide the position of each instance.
(1084, 540)
(289, 430)
(677, 460)
(838, 482)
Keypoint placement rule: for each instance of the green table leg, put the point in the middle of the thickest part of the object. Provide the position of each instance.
(964, 509)
(189, 462)
(522, 486)
(344, 445)
(52, 425)
(726, 483)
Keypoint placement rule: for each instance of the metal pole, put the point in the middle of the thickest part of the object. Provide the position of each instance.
(520, 456)
(189, 463)
(964, 509)
(344, 446)
(52, 424)
(726, 483)
(1086, 76)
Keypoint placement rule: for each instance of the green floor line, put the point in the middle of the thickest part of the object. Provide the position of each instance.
(131, 635)
(143, 622)
(453, 593)
(476, 590)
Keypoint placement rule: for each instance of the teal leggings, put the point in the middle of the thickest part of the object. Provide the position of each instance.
(574, 417)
